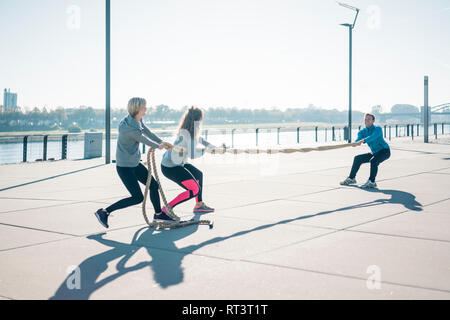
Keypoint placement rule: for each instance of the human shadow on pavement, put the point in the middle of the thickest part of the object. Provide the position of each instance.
(166, 258)
(166, 267)
(408, 200)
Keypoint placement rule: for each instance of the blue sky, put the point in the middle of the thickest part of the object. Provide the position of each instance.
(225, 53)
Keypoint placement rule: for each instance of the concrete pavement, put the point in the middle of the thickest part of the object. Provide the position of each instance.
(284, 229)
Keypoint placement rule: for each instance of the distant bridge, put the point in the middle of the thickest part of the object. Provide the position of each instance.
(442, 109)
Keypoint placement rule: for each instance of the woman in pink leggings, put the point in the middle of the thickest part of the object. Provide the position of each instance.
(175, 167)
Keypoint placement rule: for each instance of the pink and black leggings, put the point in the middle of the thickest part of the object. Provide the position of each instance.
(189, 178)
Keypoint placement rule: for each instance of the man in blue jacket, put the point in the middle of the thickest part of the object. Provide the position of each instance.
(373, 136)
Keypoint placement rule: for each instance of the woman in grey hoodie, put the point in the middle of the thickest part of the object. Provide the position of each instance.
(132, 132)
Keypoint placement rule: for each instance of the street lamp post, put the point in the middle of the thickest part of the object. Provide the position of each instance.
(350, 28)
(108, 84)
(426, 120)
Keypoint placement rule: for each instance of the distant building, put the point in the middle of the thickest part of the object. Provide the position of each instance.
(9, 101)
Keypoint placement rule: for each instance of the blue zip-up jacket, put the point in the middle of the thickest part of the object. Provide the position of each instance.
(373, 136)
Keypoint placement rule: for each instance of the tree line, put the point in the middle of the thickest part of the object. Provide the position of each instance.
(85, 118)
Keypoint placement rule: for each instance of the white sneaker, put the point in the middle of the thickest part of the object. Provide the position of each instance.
(369, 184)
(348, 182)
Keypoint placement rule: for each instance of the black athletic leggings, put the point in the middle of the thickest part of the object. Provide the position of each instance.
(130, 178)
(374, 159)
(188, 177)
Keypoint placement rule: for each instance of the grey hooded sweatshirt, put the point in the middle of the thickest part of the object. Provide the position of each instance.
(131, 134)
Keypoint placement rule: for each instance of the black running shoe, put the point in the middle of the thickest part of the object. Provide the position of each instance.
(163, 217)
(102, 217)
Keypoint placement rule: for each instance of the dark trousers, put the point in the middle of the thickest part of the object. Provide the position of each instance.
(374, 159)
(130, 178)
(178, 174)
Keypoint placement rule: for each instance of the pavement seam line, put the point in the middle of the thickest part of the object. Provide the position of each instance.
(50, 178)
(398, 236)
(34, 244)
(37, 199)
(343, 275)
(304, 240)
(315, 226)
(391, 215)
(63, 239)
(44, 207)
(277, 199)
(342, 229)
(36, 229)
(8, 298)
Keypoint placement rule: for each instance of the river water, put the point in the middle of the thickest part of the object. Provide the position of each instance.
(242, 138)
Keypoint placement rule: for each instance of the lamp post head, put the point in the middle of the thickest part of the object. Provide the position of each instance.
(348, 6)
(351, 8)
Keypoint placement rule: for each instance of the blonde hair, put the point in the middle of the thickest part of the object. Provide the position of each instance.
(136, 104)
(187, 122)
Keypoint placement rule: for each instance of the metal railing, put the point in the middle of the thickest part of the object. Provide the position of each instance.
(299, 135)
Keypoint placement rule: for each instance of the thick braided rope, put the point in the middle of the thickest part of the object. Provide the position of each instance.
(287, 150)
(147, 186)
(155, 172)
(151, 162)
